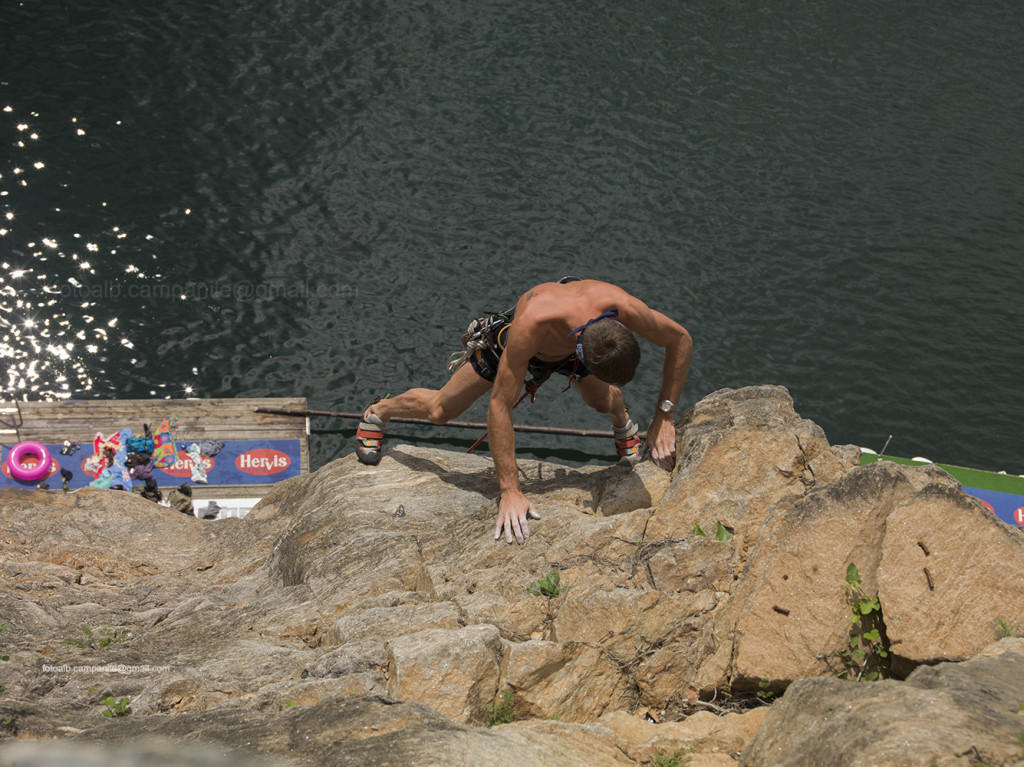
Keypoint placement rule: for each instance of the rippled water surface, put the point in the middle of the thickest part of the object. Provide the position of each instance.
(278, 198)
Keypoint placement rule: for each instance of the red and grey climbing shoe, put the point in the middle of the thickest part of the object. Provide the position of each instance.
(627, 442)
(370, 437)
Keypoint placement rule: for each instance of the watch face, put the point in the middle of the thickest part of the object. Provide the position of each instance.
(666, 406)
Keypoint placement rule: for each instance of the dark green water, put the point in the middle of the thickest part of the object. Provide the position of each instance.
(312, 198)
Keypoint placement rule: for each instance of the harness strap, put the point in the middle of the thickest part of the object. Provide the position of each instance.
(574, 375)
(579, 339)
(588, 323)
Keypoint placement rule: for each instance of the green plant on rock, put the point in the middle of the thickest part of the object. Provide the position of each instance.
(116, 708)
(548, 586)
(94, 642)
(764, 689)
(721, 532)
(675, 759)
(868, 656)
(500, 712)
(1006, 628)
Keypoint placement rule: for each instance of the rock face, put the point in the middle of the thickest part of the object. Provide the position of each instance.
(950, 714)
(366, 615)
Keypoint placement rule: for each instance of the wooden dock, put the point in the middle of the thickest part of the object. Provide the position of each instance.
(256, 438)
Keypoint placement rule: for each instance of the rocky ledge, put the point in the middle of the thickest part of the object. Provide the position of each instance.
(366, 616)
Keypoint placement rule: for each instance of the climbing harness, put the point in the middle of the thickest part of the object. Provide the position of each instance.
(482, 334)
(485, 334)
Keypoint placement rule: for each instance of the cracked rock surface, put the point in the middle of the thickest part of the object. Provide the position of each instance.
(324, 628)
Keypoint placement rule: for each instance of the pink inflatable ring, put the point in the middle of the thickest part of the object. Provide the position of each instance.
(28, 473)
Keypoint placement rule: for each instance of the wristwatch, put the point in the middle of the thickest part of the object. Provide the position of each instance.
(667, 406)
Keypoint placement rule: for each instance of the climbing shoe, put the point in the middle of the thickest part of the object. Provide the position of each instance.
(370, 437)
(627, 442)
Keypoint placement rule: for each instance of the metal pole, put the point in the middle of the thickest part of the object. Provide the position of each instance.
(606, 433)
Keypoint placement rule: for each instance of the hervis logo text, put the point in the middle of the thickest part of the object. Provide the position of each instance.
(262, 460)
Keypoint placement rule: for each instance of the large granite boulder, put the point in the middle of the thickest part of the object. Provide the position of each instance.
(365, 615)
(950, 714)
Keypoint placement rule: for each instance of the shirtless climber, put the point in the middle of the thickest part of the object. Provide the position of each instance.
(582, 329)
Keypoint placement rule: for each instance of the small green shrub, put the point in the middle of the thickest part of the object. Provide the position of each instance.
(500, 712)
(1006, 628)
(764, 689)
(548, 586)
(116, 708)
(93, 642)
(867, 657)
(721, 532)
(675, 759)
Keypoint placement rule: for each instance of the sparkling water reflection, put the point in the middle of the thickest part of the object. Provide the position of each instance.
(276, 199)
